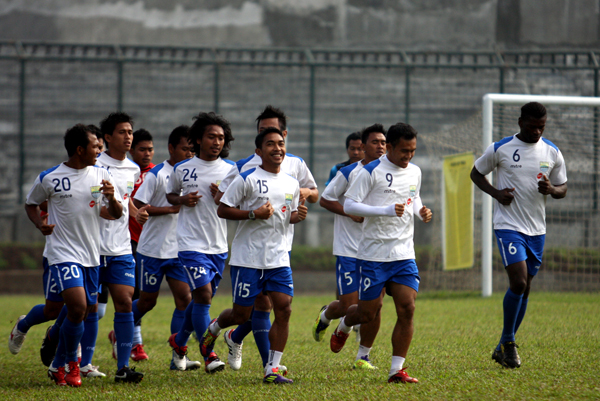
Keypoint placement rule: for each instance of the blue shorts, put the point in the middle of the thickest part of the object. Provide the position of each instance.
(247, 283)
(375, 275)
(203, 268)
(517, 247)
(117, 270)
(69, 275)
(346, 275)
(50, 289)
(152, 270)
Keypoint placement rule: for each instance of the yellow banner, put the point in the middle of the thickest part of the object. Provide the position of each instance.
(457, 195)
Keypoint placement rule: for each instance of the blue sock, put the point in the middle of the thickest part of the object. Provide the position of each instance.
(137, 315)
(177, 320)
(241, 332)
(88, 340)
(187, 327)
(521, 314)
(261, 324)
(35, 316)
(55, 330)
(200, 318)
(60, 356)
(124, 335)
(512, 304)
(71, 333)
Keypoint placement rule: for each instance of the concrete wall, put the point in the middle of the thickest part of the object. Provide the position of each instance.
(409, 24)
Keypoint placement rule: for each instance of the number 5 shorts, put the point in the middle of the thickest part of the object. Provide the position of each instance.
(375, 275)
(517, 247)
(346, 274)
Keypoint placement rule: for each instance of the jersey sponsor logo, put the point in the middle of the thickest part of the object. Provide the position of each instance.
(283, 209)
(412, 191)
(544, 166)
(539, 176)
(408, 202)
(516, 166)
(389, 191)
(92, 204)
(95, 191)
(129, 275)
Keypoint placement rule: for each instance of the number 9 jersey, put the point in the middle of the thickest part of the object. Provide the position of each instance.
(521, 166)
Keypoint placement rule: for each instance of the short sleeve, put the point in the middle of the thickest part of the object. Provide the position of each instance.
(174, 185)
(336, 188)
(305, 177)
(225, 182)
(234, 194)
(360, 187)
(146, 190)
(558, 175)
(37, 194)
(487, 162)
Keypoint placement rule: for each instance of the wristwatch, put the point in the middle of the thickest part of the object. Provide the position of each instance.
(251, 215)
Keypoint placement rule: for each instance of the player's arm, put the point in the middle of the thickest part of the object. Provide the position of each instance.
(225, 211)
(309, 194)
(545, 187)
(33, 212)
(300, 214)
(504, 196)
(330, 197)
(189, 200)
(115, 208)
(156, 210)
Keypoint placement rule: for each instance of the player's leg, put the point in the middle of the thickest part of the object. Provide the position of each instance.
(182, 297)
(404, 301)
(368, 333)
(50, 341)
(137, 350)
(278, 335)
(90, 324)
(535, 251)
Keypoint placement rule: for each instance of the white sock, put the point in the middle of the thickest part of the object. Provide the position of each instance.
(101, 310)
(137, 335)
(362, 351)
(397, 362)
(342, 326)
(324, 318)
(214, 328)
(274, 361)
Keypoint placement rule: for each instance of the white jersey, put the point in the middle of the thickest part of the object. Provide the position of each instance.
(382, 183)
(261, 244)
(74, 207)
(520, 165)
(346, 232)
(292, 165)
(199, 228)
(115, 239)
(159, 236)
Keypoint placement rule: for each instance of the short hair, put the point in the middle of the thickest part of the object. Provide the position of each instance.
(273, 112)
(400, 131)
(370, 129)
(96, 131)
(178, 133)
(75, 137)
(140, 136)
(108, 125)
(533, 110)
(355, 136)
(204, 120)
(260, 138)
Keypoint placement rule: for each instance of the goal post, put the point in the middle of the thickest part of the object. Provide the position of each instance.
(489, 101)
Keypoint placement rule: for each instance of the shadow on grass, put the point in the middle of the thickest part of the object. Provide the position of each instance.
(449, 295)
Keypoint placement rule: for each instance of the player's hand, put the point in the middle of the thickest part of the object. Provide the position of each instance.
(302, 210)
(399, 209)
(426, 214)
(142, 215)
(214, 188)
(107, 190)
(191, 199)
(46, 229)
(356, 219)
(505, 196)
(304, 194)
(545, 187)
(265, 211)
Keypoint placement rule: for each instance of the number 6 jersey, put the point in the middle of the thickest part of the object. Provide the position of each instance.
(520, 165)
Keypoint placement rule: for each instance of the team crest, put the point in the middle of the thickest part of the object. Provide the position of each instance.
(95, 191)
(544, 166)
(412, 191)
(288, 199)
(218, 182)
(129, 187)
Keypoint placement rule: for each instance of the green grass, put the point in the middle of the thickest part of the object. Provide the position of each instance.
(450, 355)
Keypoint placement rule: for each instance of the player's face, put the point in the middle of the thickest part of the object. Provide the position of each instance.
(184, 150)
(272, 150)
(531, 129)
(270, 123)
(375, 146)
(212, 142)
(402, 153)
(143, 153)
(100, 145)
(355, 151)
(120, 140)
(89, 154)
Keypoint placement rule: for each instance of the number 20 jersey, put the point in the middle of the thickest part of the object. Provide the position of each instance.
(520, 165)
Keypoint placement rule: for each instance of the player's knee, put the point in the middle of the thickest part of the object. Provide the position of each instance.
(123, 305)
(181, 302)
(52, 312)
(240, 316)
(76, 313)
(405, 310)
(518, 286)
(283, 313)
(146, 304)
(262, 303)
(203, 296)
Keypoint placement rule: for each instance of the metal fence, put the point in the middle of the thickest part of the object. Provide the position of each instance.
(326, 93)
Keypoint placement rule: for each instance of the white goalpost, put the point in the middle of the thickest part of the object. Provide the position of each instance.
(489, 101)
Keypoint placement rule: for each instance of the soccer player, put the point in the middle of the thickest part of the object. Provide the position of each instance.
(201, 234)
(355, 153)
(260, 323)
(117, 266)
(268, 203)
(528, 170)
(73, 190)
(346, 235)
(157, 250)
(142, 152)
(387, 193)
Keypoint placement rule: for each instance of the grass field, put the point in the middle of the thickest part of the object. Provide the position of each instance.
(450, 355)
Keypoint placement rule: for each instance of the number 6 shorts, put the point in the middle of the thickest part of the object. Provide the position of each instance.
(517, 247)
(203, 268)
(375, 275)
